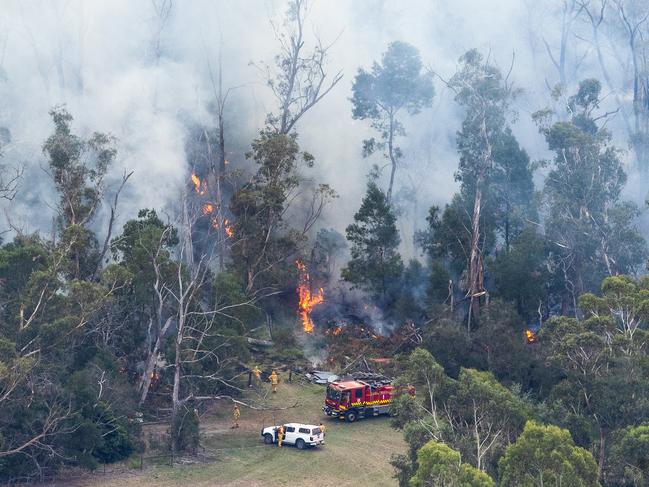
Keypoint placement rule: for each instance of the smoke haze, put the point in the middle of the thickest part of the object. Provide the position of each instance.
(145, 75)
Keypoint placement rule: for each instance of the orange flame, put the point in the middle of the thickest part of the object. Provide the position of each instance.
(199, 186)
(207, 208)
(530, 336)
(227, 225)
(307, 299)
(334, 331)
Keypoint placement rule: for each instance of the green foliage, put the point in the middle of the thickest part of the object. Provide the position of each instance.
(187, 429)
(410, 302)
(474, 414)
(447, 340)
(485, 409)
(78, 168)
(263, 237)
(395, 85)
(438, 283)
(520, 274)
(439, 465)
(499, 342)
(630, 456)
(496, 197)
(375, 263)
(604, 363)
(624, 302)
(546, 455)
(591, 229)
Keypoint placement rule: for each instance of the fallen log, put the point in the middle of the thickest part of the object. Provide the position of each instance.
(259, 343)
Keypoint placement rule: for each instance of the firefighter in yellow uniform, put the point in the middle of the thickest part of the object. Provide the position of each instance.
(257, 372)
(323, 428)
(280, 436)
(236, 414)
(274, 380)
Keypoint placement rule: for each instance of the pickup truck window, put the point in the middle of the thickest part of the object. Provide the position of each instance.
(290, 429)
(305, 431)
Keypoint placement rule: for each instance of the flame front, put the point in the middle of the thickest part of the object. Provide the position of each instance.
(307, 299)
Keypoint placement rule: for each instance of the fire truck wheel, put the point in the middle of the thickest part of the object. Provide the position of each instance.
(300, 444)
(350, 416)
(268, 439)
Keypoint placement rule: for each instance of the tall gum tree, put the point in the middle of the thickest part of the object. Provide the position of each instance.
(485, 95)
(380, 95)
(592, 231)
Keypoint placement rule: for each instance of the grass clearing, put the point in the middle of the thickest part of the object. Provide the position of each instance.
(354, 454)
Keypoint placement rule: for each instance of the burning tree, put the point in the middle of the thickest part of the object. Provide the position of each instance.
(307, 298)
(267, 233)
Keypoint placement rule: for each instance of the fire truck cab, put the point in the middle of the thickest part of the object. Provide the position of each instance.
(355, 399)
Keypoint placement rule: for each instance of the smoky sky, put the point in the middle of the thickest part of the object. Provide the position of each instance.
(121, 67)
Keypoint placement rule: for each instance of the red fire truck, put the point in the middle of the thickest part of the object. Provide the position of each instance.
(354, 399)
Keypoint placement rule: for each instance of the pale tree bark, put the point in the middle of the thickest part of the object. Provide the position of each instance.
(194, 324)
(570, 11)
(476, 262)
(9, 182)
(301, 80)
(218, 166)
(158, 323)
(111, 222)
(634, 24)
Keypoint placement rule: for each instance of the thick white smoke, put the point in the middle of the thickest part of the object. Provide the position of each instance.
(145, 73)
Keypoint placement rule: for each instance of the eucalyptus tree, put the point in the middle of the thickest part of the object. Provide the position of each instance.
(440, 465)
(591, 230)
(619, 28)
(490, 158)
(547, 455)
(299, 78)
(78, 168)
(268, 231)
(398, 84)
(603, 361)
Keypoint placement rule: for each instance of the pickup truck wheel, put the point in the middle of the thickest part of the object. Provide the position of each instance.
(350, 416)
(300, 444)
(268, 439)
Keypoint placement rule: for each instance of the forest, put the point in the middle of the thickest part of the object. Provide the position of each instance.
(461, 206)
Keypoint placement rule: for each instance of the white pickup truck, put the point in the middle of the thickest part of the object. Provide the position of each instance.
(300, 435)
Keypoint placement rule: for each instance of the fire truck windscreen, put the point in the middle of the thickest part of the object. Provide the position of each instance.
(333, 394)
